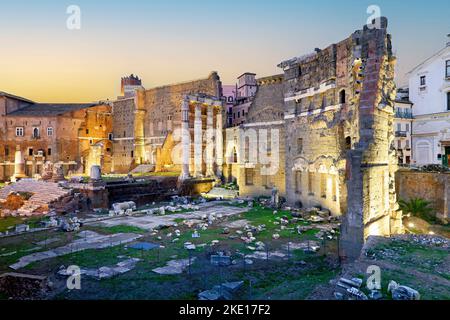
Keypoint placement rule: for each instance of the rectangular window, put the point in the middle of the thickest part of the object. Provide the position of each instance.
(448, 101)
(298, 182)
(30, 151)
(310, 183)
(399, 144)
(447, 69)
(407, 144)
(249, 176)
(323, 185)
(19, 131)
(299, 145)
(49, 151)
(6, 151)
(423, 80)
(50, 131)
(399, 127)
(407, 127)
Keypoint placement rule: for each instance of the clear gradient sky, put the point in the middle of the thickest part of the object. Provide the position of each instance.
(167, 41)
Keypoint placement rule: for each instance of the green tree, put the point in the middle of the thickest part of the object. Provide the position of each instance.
(419, 208)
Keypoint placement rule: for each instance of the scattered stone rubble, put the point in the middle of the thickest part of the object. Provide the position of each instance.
(400, 292)
(122, 207)
(221, 194)
(42, 196)
(88, 240)
(224, 291)
(174, 266)
(350, 289)
(106, 271)
(220, 259)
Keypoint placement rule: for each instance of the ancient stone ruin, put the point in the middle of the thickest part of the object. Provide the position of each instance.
(339, 112)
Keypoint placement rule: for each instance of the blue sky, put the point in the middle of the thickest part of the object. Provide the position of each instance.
(177, 40)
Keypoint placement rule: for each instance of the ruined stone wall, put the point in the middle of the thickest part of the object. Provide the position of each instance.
(123, 135)
(159, 113)
(7, 105)
(263, 133)
(318, 122)
(69, 144)
(95, 145)
(430, 186)
(373, 208)
(340, 154)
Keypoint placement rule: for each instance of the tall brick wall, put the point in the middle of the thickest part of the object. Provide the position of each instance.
(339, 138)
(73, 134)
(430, 186)
(265, 120)
(160, 112)
(123, 135)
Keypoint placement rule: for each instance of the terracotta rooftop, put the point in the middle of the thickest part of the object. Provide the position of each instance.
(50, 109)
(8, 95)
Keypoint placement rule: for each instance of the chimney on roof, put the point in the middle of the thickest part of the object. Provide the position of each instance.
(448, 40)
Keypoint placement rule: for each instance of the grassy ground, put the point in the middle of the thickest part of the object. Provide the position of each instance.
(276, 278)
(422, 267)
(8, 222)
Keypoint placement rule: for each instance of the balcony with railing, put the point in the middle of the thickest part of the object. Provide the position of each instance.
(401, 134)
(404, 115)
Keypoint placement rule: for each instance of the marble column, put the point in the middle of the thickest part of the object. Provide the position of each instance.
(185, 140)
(19, 165)
(209, 141)
(219, 141)
(198, 142)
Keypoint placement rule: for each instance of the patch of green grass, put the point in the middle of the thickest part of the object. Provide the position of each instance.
(117, 229)
(7, 222)
(289, 282)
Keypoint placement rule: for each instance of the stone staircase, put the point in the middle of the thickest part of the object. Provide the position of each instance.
(43, 194)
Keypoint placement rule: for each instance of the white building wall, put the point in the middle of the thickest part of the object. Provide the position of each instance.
(431, 124)
(431, 98)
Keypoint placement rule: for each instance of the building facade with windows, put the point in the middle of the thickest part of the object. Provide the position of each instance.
(147, 123)
(246, 89)
(229, 93)
(403, 128)
(429, 91)
(255, 151)
(74, 135)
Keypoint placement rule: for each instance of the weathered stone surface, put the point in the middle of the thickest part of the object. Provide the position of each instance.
(92, 242)
(339, 114)
(43, 195)
(430, 186)
(174, 266)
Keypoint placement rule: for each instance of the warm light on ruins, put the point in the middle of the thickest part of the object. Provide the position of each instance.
(224, 159)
